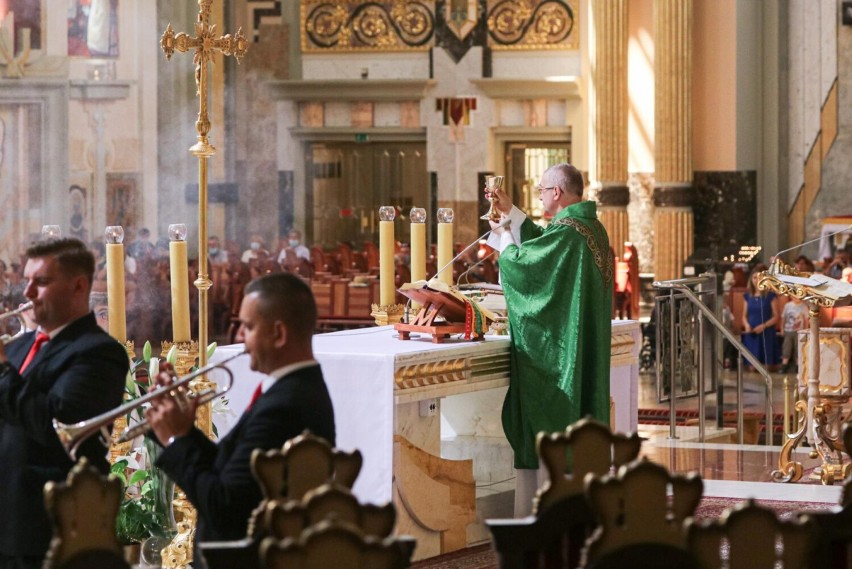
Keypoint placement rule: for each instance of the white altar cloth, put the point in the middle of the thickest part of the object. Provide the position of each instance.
(359, 368)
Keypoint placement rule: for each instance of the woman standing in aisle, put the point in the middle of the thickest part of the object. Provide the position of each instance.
(760, 317)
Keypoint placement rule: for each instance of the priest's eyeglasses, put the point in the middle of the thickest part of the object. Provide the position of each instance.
(542, 190)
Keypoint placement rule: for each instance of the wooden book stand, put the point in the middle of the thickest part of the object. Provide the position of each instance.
(434, 303)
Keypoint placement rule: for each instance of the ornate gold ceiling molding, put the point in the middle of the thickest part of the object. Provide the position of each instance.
(410, 25)
(533, 24)
(357, 25)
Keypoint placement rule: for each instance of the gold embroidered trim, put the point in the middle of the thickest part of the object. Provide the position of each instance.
(606, 268)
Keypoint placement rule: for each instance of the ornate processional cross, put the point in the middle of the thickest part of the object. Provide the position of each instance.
(206, 45)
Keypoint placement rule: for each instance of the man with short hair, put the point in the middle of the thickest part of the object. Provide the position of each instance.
(558, 286)
(68, 369)
(277, 321)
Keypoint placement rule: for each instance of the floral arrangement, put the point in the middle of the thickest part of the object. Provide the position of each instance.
(146, 510)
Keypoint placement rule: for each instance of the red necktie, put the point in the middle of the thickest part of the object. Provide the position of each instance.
(41, 339)
(256, 395)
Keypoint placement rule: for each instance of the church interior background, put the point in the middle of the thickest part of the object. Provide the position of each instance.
(701, 125)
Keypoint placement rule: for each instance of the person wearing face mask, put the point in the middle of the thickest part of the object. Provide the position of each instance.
(256, 249)
(215, 253)
(293, 250)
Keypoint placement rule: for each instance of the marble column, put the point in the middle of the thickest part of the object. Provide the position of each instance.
(609, 74)
(673, 219)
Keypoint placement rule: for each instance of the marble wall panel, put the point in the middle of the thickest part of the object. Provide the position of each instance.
(409, 113)
(535, 112)
(640, 212)
(361, 114)
(123, 154)
(828, 44)
(725, 209)
(535, 64)
(376, 65)
(338, 114)
(311, 114)
(387, 114)
(510, 112)
(287, 113)
(796, 93)
(811, 77)
(556, 113)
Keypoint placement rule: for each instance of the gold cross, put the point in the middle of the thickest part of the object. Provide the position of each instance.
(205, 43)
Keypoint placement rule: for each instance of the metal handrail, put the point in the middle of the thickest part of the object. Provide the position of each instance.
(682, 285)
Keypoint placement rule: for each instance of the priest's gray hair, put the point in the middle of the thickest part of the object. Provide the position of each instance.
(567, 177)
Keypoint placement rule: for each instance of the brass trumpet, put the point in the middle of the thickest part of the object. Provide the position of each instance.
(72, 436)
(17, 313)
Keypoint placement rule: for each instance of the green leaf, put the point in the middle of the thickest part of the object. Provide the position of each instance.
(146, 351)
(138, 476)
(210, 349)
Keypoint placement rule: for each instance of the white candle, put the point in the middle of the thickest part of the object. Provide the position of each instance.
(180, 282)
(387, 290)
(115, 282)
(445, 244)
(418, 244)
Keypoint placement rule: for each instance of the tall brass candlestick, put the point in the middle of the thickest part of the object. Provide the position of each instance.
(178, 265)
(445, 244)
(114, 236)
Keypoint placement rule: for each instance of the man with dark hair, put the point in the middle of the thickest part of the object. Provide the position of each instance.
(68, 369)
(558, 287)
(277, 320)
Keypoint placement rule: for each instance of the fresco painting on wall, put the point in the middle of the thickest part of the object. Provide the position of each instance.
(25, 14)
(78, 222)
(121, 200)
(93, 28)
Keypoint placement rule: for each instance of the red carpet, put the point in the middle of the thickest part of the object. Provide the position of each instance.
(482, 557)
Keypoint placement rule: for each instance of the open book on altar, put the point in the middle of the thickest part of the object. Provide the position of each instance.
(460, 313)
(450, 302)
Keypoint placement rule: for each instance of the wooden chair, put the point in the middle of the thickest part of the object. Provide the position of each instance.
(640, 526)
(286, 475)
(751, 533)
(332, 543)
(83, 510)
(562, 518)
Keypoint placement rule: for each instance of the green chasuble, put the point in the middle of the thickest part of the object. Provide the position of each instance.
(558, 287)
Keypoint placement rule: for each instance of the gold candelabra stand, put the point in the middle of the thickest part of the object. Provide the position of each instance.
(205, 44)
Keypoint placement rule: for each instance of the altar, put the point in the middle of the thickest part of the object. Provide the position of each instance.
(393, 397)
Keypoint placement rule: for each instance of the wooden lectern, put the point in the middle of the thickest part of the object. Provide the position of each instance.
(438, 299)
(822, 422)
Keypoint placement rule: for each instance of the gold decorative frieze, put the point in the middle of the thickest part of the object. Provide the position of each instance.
(355, 25)
(533, 24)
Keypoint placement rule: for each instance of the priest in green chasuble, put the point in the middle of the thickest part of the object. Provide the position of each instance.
(558, 286)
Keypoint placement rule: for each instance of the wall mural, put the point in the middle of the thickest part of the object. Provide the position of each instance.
(410, 25)
(93, 28)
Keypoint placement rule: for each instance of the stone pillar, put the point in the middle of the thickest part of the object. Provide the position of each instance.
(673, 220)
(609, 74)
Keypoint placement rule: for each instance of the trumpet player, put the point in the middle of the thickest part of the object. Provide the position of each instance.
(277, 320)
(67, 368)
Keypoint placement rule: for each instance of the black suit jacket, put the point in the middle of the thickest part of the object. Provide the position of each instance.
(78, 374)
(217, 478)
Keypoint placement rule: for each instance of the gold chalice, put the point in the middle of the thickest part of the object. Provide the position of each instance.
(492, 183)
